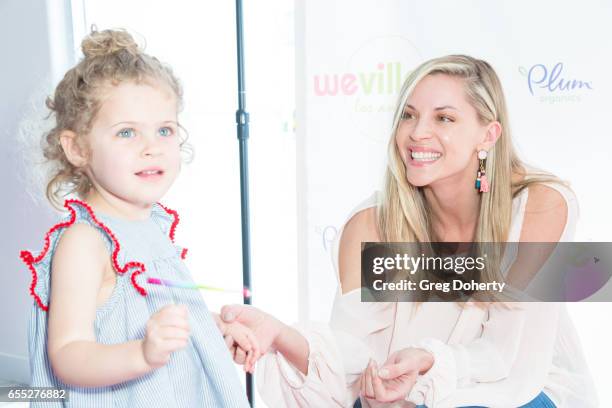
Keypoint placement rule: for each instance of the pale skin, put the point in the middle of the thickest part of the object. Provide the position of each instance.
(135, 129)
(439, 117)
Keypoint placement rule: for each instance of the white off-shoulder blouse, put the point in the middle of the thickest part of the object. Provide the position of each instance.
(494, 358)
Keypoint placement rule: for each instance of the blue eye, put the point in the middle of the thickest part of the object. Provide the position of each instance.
(166, 131)
(125, 133)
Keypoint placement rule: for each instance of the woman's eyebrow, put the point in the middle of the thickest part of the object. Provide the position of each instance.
(436, 109)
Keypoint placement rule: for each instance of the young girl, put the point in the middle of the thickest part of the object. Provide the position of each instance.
(104, 333)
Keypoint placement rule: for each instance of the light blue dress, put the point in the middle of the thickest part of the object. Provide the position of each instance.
(201, 375)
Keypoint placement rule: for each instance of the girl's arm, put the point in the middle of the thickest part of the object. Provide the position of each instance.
(76, 358)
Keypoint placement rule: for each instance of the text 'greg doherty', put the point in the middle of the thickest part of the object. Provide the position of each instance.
(405, 285)
(412, 264)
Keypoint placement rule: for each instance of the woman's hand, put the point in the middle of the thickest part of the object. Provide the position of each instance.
(394, 380)
(263, 327)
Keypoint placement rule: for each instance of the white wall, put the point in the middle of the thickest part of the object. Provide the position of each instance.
(27, 70)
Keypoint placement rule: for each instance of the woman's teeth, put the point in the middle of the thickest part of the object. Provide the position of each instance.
(149, 172)
(425, 156)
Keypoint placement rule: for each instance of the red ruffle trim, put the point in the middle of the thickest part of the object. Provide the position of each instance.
(139, 267)
(177, 219)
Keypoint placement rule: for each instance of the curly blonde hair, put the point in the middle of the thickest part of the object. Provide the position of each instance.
(110, 57)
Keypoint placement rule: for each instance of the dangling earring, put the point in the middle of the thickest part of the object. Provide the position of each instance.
(482, 184)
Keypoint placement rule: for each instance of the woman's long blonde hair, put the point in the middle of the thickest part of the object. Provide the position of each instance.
(403, 212)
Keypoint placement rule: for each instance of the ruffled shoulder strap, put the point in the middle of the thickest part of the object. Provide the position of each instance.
(40, 265)
(168, 220)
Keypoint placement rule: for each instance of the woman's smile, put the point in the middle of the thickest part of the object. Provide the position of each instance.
(421, 157)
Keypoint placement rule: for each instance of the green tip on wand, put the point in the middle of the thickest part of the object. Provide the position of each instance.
(188, 285)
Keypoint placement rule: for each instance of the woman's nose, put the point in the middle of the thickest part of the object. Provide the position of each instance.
(422, 130)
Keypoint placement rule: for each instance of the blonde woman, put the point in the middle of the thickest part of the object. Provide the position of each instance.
(450, 131)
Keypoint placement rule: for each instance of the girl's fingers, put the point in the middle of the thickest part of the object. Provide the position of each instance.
(240, 356)
(229, 342)
(241, 338)
(233, 353)
(255, 347)
(172, 333)
(247, 360)
(255, 357)
(173, 318)
(252, 345)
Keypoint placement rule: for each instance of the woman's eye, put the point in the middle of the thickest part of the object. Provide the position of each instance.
(166, 131)
(125, 133)
(446, 119)
(407, 115)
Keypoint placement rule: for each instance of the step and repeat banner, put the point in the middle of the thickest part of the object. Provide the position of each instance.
(352, 58)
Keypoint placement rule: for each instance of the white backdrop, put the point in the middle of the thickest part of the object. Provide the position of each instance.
(352, 58)
(349, 58)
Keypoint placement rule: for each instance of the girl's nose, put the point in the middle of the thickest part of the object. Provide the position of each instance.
(152, 146)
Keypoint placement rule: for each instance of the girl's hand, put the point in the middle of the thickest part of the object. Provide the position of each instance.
(265, 327)
(270, 333)
(243, 344)
(394, 380)
(167, 331)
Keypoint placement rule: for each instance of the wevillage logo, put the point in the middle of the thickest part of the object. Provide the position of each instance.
(374, 90)
(386, 78)
(366, 84)
(550, 84)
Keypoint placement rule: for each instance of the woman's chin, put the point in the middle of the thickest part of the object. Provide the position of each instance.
(418, 181)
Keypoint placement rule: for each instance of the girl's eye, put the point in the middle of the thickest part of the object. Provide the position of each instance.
(125, 133)
(166, 131)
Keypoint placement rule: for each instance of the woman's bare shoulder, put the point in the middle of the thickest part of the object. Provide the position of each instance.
(545, 214)
(361, 227)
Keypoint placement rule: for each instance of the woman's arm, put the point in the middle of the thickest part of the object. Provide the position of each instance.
(294, 347)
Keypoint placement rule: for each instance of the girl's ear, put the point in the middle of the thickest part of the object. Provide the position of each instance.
(74, 152)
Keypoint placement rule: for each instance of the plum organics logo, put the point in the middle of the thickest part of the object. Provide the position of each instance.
(367, 87)
(551, 85)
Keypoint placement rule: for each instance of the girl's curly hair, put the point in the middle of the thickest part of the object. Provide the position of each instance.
(110, 57)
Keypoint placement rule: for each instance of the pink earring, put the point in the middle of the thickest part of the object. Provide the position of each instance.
(482, 184)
